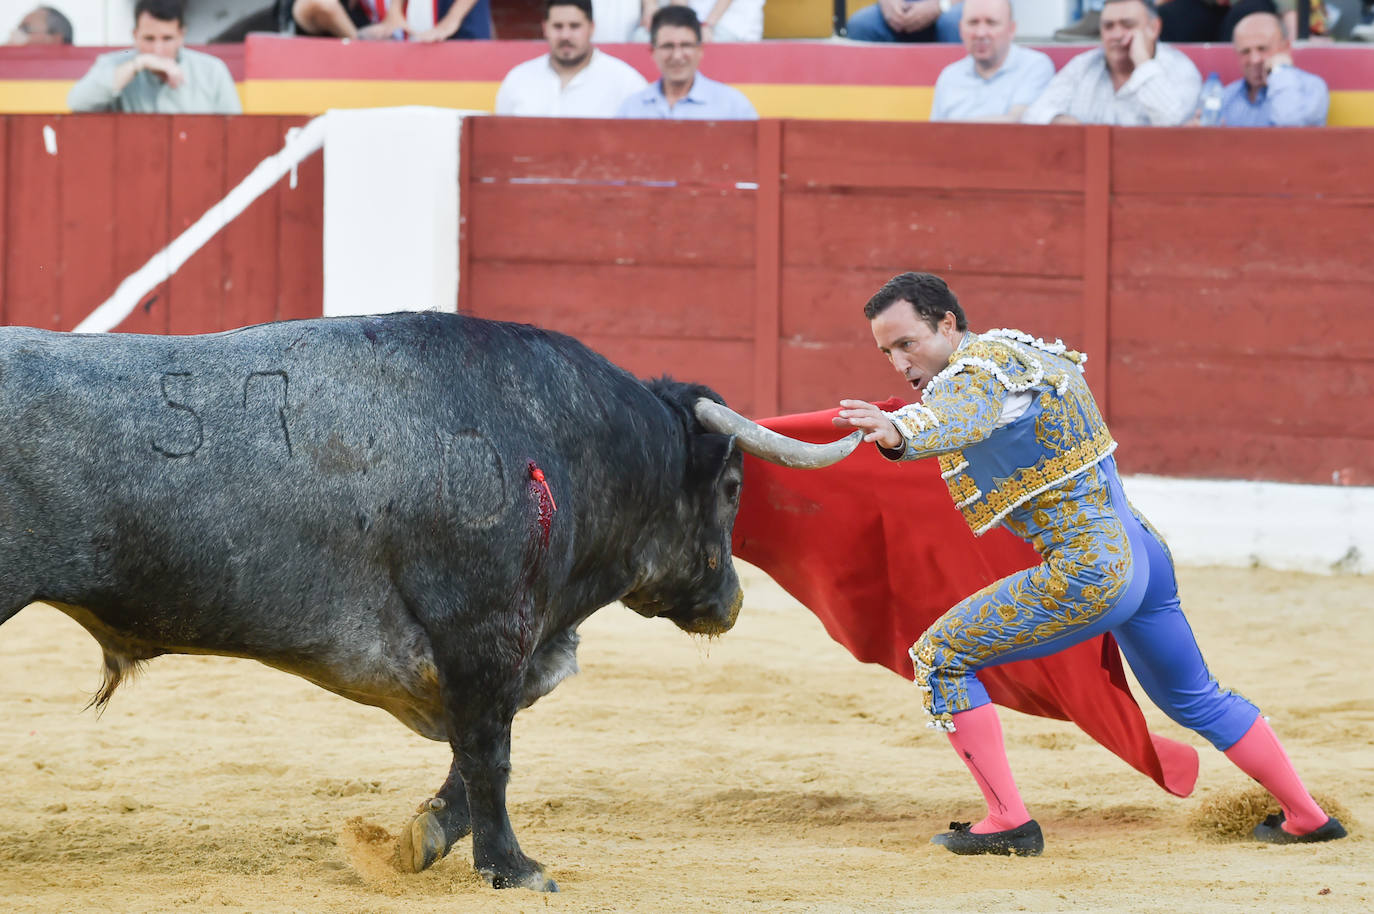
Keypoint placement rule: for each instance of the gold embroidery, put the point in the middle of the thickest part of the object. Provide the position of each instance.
(1083, 575)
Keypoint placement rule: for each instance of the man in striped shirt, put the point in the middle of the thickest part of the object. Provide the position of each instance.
(1132, 79)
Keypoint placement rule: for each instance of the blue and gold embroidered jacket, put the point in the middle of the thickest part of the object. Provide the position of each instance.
(992, 469)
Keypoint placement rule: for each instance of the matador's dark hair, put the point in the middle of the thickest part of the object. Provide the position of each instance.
(925, 292)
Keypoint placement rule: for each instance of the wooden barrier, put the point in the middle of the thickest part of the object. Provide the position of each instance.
(119, 188)
(1219, 280)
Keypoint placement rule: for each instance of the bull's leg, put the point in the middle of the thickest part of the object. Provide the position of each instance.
(481, 659)
(482, 754)
(438, 824)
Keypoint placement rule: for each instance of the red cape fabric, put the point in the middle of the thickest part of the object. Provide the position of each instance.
(878, 551)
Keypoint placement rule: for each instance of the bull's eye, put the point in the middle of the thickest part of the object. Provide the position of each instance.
(732, 490)
(712, 562)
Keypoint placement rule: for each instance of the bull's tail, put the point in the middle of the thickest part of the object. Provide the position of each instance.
(117, 667)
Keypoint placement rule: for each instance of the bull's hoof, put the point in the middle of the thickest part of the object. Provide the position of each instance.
(533, 878)
(423, 842)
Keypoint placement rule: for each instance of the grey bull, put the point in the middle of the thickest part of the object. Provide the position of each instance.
(413, 511)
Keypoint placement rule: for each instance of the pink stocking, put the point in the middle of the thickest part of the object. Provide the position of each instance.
(1260, 754)
(977, 737)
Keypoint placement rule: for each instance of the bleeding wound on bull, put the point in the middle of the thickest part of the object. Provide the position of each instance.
(544, 494)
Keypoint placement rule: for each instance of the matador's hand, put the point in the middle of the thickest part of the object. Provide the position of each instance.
(876, 427)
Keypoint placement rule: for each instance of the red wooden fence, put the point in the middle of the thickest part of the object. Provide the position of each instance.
(1220, 280)
(119, 188)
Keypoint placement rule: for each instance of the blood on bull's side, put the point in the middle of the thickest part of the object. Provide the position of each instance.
(413, 511)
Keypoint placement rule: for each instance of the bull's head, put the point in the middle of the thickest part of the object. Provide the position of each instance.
(700, 591)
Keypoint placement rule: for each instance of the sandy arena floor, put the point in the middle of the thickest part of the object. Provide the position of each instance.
(766, 771)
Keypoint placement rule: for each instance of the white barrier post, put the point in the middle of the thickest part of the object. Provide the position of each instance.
(391, 210)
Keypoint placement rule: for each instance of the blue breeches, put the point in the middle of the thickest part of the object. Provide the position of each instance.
(1107, 573)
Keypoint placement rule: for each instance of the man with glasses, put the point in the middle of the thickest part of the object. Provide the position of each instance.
(682, 93)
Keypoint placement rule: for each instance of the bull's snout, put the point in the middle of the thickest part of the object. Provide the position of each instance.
(713, 618)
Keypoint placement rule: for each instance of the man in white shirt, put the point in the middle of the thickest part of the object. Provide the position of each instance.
(998, 79)
(1132, 79)
(573, 79)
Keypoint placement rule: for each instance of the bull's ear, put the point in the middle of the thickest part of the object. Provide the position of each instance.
(711, 455)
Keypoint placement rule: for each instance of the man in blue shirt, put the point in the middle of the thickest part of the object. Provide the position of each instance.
(682, 93)
(998, 79)
(1274, 93)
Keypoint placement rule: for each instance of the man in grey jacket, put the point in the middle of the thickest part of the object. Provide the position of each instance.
(158, 75)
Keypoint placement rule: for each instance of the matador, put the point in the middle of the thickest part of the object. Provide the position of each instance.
(1021, 443)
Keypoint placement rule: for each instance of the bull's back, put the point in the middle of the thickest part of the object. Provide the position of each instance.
(282, 463)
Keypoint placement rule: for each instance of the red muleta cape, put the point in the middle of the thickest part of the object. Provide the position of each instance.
(878, 551)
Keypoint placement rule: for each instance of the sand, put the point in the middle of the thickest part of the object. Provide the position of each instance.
(763, 771)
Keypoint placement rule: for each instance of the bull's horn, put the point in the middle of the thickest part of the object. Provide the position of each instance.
(767, 444)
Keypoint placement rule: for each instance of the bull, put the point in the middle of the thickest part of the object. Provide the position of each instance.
(414, 511)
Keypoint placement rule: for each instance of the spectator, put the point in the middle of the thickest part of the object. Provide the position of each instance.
(1210, 20)
(43, 25)
(573, 79)
(721, 20)
(998, 79)
(1132, 79)
(372, 19)
(444, 20)
(1088, 26)
(1274, 93)
(421, 20)
(158, 75)
(682, 93)
(906, 21)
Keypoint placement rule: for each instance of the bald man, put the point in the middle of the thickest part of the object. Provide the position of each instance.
(43, 25)
(998, 79)
(1273, 92)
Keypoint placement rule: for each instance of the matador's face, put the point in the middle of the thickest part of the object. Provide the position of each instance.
(915, 348)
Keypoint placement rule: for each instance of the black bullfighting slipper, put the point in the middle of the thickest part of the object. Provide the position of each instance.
(1271, 832)
(1023, 840)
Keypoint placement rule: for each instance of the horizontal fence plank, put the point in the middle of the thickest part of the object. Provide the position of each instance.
(1025, 234)
(1284, 163)
(1254, 238)
(704, 302)
(1190, 447)
(936, 156)
(1280, 318)
(1230, 392)
(628, 151)
(649, 225)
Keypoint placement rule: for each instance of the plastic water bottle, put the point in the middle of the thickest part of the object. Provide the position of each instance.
(1210, 101)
